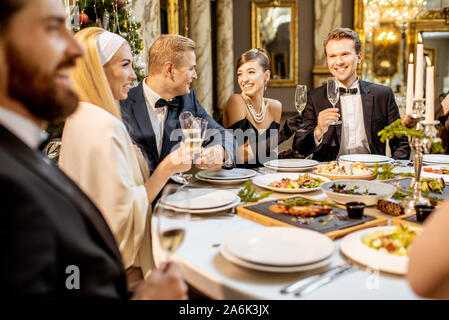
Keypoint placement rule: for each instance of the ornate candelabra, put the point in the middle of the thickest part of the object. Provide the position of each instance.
(420, 145)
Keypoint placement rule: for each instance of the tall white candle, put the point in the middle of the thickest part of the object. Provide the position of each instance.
(430, 92)
(410, 88)
(419, 68)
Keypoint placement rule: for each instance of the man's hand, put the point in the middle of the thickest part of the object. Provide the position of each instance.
(212, 158)
(325, 118)
(164, 283)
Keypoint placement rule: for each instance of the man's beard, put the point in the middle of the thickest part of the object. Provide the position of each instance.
(38, 92)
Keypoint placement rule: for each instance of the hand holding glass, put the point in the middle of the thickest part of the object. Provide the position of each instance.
(333, 94)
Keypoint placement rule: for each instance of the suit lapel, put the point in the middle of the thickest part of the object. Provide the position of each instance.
(368, 105)
(140, 111)
(44, 167)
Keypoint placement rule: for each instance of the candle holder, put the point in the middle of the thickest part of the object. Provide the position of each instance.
(419, 146)
(418, 109)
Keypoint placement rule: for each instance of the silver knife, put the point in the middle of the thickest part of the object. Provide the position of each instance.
(323, 281)
(295, 286)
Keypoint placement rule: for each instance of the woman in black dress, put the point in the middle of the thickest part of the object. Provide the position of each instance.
(253, 119)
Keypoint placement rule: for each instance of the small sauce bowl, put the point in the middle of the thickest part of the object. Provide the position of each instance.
(355, 209)
(423, 211)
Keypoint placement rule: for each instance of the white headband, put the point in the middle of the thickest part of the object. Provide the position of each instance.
(108, 44)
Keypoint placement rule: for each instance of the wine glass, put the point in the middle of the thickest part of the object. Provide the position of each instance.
(187, 120)
(333, 94)
(300, 97)
(171, 223)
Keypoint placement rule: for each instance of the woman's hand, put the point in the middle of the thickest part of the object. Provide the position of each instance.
(180, 160)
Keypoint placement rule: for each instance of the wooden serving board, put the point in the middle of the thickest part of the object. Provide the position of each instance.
(330, 225)
(345, 177)
(408, 219)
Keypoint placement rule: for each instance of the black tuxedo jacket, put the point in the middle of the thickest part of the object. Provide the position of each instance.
(137, 120)
(379, 110)
(48, 224)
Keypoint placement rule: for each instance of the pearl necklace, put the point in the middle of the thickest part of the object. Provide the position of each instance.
(258, 117)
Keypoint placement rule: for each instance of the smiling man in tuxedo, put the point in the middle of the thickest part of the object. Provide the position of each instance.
(54, 241)
(152, 109)
(364, 108)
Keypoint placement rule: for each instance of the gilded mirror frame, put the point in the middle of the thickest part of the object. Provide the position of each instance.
(255, 37)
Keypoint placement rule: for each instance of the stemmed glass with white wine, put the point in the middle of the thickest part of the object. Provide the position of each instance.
(333, 94)
(300, 97)
(171, 223)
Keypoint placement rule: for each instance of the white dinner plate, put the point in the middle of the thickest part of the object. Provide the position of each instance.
(380, 190)
(280, 246)
(264, 181)
(200, 198)
(300, 169)
(432, 159)
(260, 267)
(367, 159)
(291, 163)
(203, 211)
(223, 174)
(222, 182)
(353, 247)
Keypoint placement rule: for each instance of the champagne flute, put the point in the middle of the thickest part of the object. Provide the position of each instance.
(300, 98)
(186, 119)
(171, 224)
(333, 94)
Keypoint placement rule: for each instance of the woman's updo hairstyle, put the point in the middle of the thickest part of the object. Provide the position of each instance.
(261, 55)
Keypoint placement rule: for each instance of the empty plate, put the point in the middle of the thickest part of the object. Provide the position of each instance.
(268, 268)
(202, 211)
(223, 174)
(435, 159)
(367, 159)
(291, 163)
(200, 199)
(280, 246)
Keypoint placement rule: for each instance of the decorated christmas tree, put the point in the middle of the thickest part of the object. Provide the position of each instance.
(115, 16)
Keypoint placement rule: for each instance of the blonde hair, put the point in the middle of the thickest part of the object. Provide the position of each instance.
(168, 47)
(89, 78)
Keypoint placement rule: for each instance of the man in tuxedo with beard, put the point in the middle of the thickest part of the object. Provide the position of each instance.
(152, 109)
(54, 241)
(364, 109)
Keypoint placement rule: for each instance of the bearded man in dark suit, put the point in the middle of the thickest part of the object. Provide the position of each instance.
(152, 109)
(364, 109)
(54, 241)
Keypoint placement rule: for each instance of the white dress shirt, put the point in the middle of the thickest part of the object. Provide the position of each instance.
(157, 115)
(353, 134)
(25, 129)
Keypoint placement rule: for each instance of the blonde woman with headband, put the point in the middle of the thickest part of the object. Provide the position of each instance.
(98, 154)
(250, 112)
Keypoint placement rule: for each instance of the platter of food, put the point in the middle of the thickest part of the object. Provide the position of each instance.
(326, 217)
(290, 182)
(382, 248)
(368, 192)
(334, 170)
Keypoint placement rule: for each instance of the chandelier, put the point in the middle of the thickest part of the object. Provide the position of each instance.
(398, 11)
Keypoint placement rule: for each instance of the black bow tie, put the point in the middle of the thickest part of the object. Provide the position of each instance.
(348, 91)
(174, 103)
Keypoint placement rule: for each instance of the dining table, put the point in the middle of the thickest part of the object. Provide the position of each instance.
(209, 272)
